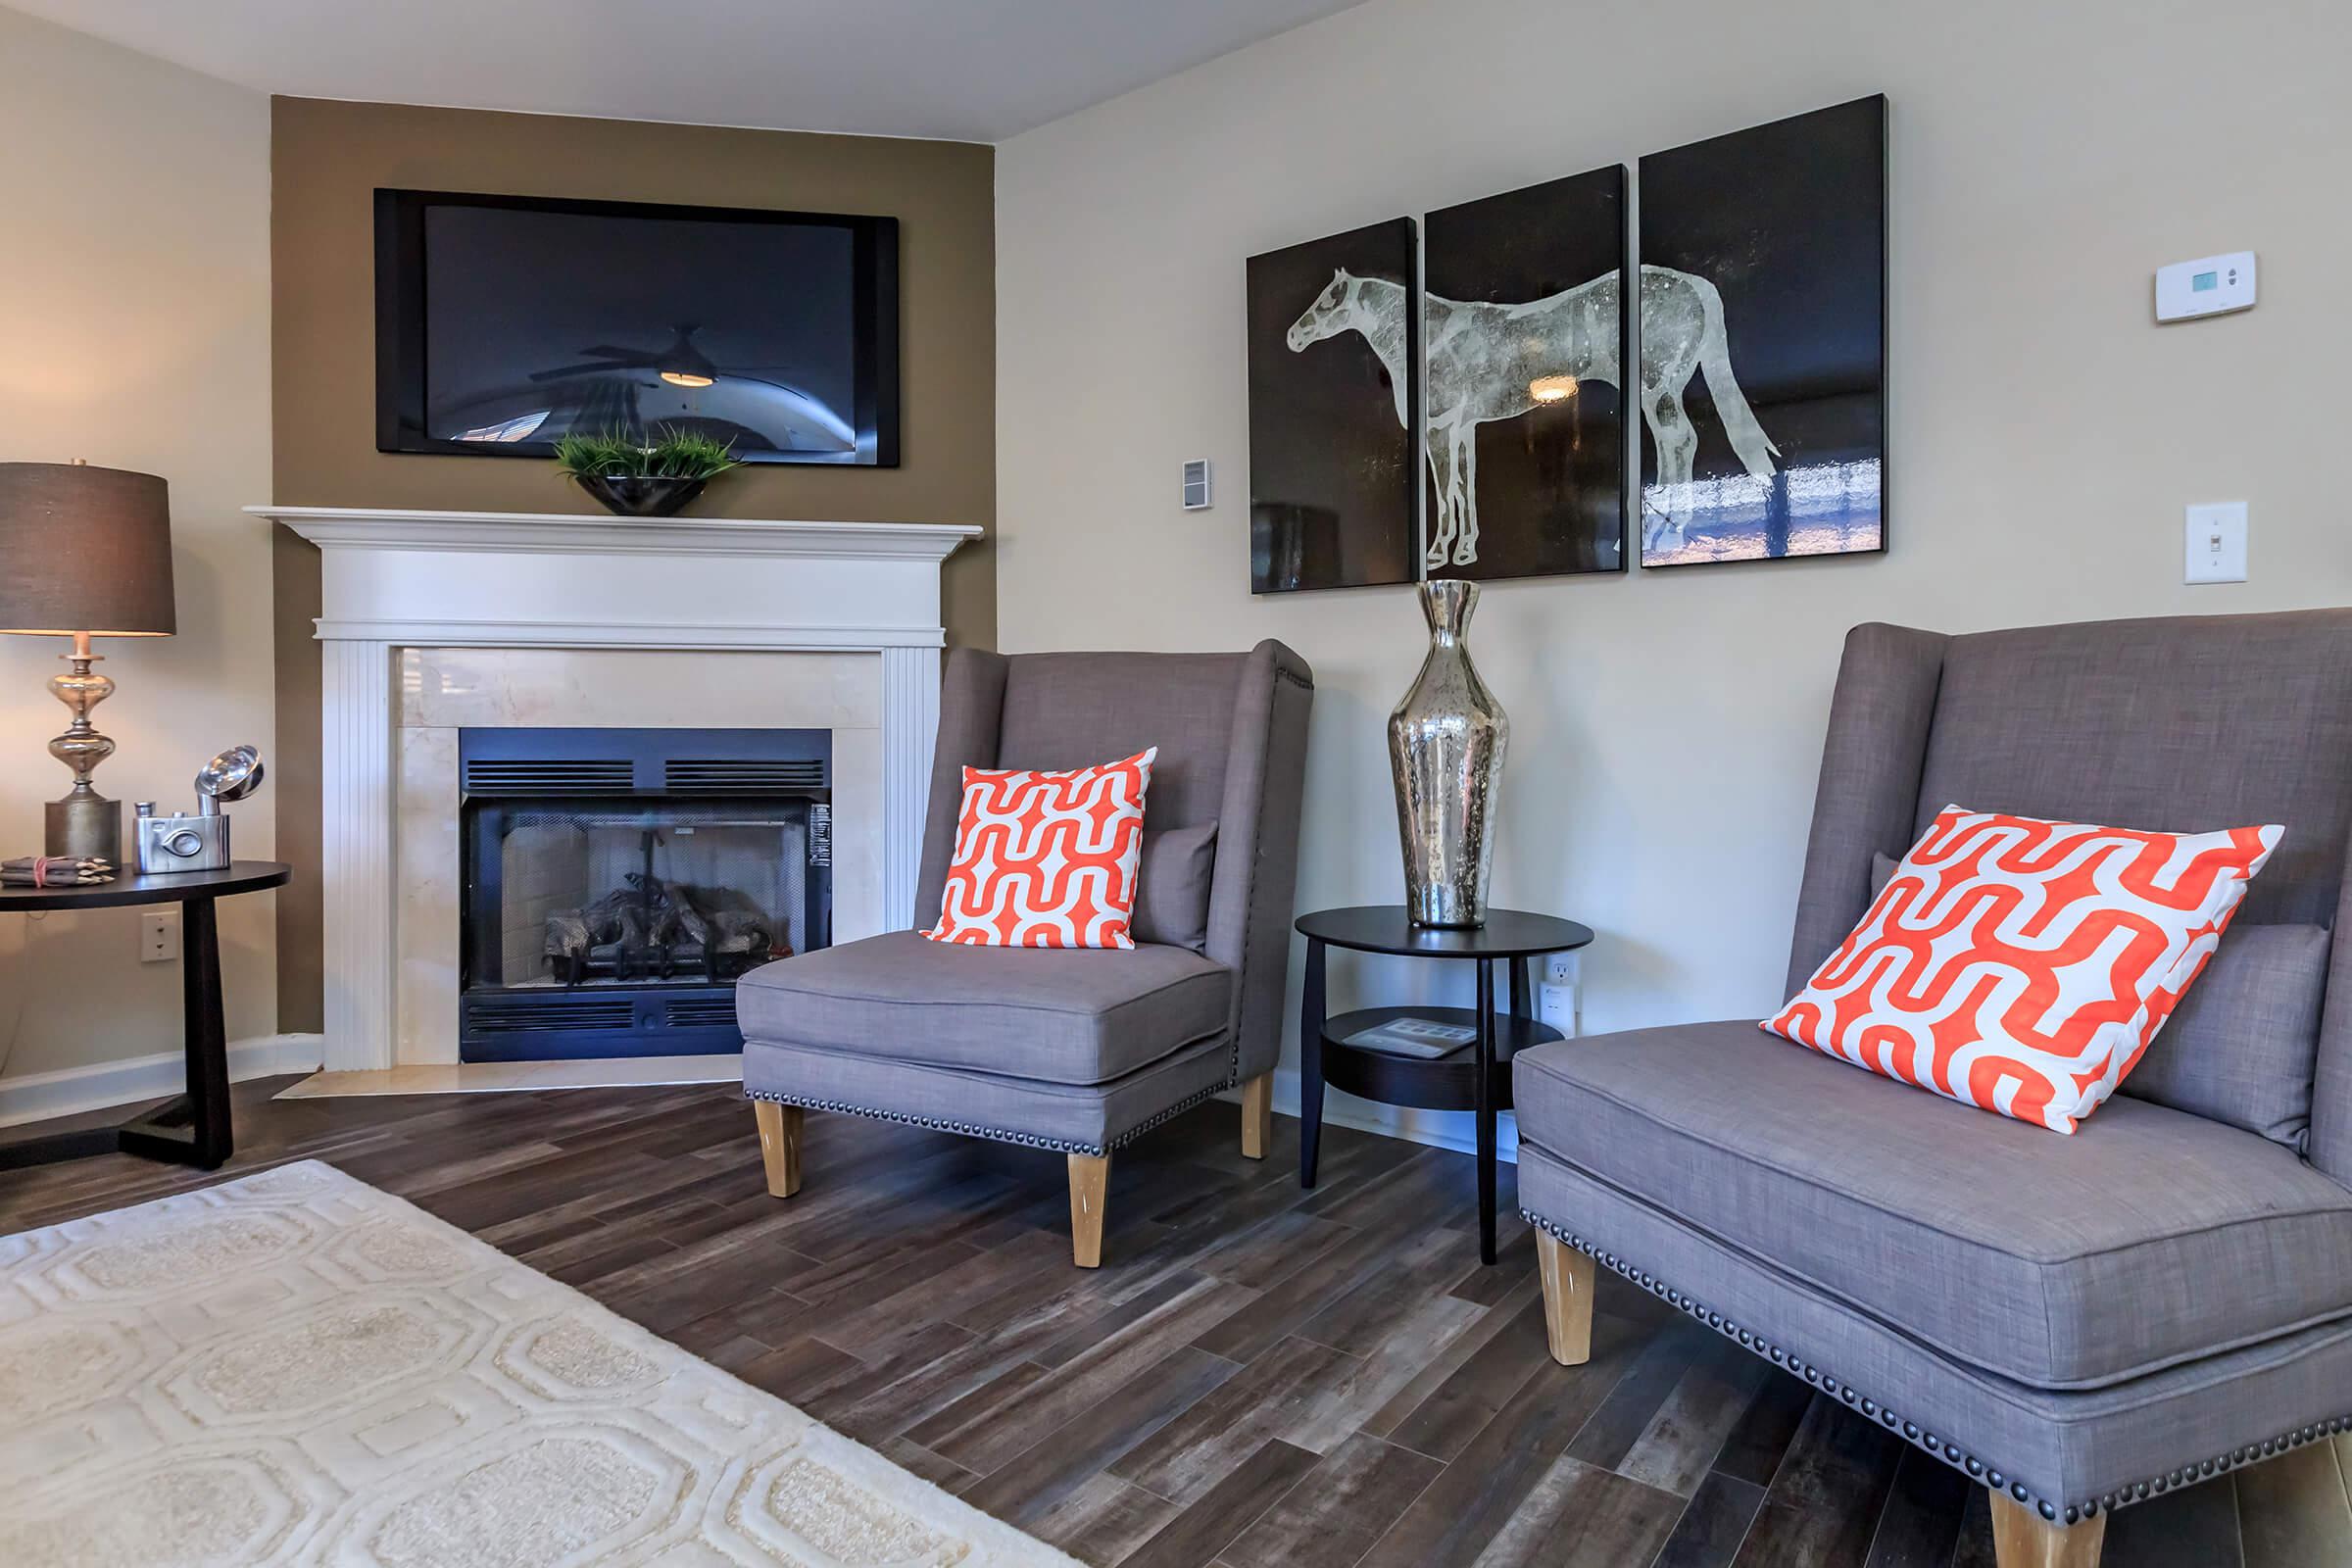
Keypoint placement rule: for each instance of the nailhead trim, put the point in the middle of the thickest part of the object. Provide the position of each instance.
(1951, 1453)
(997, 1133)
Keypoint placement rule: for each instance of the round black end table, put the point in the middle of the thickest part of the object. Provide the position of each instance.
(193, 1129)
(1475, 1076)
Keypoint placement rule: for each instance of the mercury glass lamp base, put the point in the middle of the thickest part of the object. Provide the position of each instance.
(85, 826)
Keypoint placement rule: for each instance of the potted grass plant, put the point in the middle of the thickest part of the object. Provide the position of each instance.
(652, 476)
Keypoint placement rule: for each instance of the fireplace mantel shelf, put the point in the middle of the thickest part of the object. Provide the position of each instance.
(524, 532)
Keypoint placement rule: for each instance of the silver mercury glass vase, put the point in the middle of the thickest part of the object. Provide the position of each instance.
(1446, 740)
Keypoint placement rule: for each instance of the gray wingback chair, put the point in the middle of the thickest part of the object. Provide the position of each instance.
(2076, 1323)
(1072, 1051)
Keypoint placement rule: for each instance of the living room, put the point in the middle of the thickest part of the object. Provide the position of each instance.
(1223, 402)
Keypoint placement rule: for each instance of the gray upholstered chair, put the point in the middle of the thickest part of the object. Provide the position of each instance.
(2076, 1322)
(1074, 1051)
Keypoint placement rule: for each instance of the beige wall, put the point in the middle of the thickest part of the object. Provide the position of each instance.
(1667, 725)
(134, 307)
(328, 158)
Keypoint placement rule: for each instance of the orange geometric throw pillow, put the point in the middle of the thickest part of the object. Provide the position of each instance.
(2021, 966)
(1046, 859)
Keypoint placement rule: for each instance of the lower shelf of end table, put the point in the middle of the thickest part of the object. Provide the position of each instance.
(1510, 939)
(1433, 1082)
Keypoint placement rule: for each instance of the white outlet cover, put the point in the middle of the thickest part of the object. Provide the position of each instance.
(2213, 546)
(159, 936)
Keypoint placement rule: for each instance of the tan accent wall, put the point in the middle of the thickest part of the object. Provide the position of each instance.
(328, 158)
(135, 331)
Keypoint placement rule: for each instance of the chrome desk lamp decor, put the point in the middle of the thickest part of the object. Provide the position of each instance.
(84, 552)
(1445, 744)
(199, 843)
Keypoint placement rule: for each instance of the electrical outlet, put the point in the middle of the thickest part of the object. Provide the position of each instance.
(1560, 997)
(159, 936)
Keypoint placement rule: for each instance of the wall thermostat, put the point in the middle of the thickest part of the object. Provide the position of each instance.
(1196, 484)
(2210, 287)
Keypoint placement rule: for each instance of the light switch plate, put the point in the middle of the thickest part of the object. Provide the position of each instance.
(2216, 543)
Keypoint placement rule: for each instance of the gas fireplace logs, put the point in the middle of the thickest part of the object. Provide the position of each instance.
(654, 930)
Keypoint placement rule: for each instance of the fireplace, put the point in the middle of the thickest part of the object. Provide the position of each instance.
(436, 622)
(617, 881)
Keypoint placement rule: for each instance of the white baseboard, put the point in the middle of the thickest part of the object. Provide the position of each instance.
(499, 1077)
(1456, 1130)
(71, 1090)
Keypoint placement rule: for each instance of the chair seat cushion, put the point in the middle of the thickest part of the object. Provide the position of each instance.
(1055, 1014)
(2064, 1444)
(2149, 1238)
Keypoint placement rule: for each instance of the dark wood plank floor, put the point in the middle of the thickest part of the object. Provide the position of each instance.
(1257, 1376)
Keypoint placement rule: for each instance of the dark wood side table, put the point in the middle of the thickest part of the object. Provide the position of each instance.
(193, 1129)
(1474, 1077)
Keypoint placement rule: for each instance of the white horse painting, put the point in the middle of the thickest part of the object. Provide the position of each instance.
(1485, 360)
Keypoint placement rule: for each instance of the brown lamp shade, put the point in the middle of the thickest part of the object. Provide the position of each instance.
(84, 550)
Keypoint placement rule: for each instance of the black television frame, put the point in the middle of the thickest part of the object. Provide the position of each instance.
(400, 285)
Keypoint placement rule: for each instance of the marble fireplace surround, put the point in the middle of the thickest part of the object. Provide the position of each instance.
(435, 621)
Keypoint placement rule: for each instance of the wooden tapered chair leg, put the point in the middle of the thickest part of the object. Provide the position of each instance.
(1089, 1178)
(1567, 1299)
(779, 1145)
(2023, 1538)
(1257, 1116)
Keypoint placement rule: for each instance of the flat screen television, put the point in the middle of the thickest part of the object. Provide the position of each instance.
(504, 323)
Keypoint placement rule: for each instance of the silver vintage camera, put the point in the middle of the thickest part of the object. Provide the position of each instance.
(199, 843)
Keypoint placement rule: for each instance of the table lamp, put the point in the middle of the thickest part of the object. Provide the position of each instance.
(84, 552)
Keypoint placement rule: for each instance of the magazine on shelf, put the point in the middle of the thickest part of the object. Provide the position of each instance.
(1425, 1038)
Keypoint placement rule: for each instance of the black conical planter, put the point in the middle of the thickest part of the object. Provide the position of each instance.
(640, 495)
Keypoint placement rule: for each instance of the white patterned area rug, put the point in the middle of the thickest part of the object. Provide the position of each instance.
(298, 1369)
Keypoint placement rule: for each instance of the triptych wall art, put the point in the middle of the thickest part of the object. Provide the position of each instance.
(1760, 406)
(1334, 325)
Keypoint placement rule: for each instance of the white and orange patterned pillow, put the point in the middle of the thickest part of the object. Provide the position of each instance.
(2021, 965)
(1046, 859)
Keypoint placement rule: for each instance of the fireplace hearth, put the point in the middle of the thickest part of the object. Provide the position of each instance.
(617, 881)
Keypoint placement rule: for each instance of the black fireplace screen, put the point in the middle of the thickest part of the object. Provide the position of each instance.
(667, 893)
(618, 882)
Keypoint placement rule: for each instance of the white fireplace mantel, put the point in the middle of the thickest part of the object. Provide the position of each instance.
(401, 579)
(483, 578)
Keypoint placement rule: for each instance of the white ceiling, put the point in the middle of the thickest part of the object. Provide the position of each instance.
(966, 69)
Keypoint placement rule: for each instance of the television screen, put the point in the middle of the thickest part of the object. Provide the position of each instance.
(507, 322)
